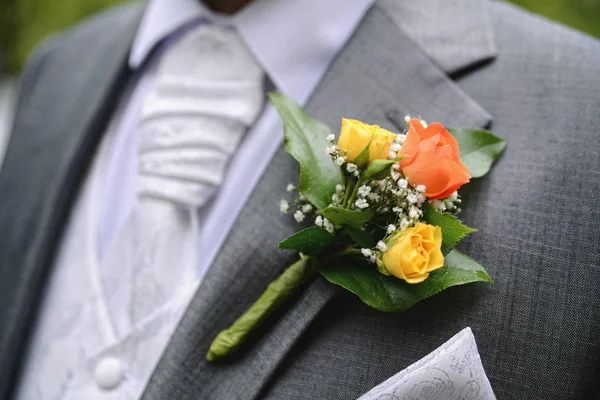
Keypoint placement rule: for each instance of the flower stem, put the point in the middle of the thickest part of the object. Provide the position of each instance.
(349, 190)
(280, 290)
(354, 193)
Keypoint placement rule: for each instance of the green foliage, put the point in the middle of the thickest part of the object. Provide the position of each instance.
(361, 238)
(453, 231)
(390, 294)
(306, 140)
(478, 149)
(311, 241)
(379, 169)
(342, 216)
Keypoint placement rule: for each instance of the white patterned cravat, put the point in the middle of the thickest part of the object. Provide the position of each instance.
(209, 90)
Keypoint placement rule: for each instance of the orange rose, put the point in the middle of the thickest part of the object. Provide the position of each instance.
(432, 159)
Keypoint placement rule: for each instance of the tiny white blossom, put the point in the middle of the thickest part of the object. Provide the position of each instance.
(391, 228)
(453, 196)
(301, 197)
(439, 205)
(328, 225)
(392, 154)
(364, 190)
(413, 213)
(395, 147)
(449, 205)
(407, 119)
(402, 183)
(351, 167)
(290, 187)
(412, 198)
(366, 252)
(381, 246)
(374, 197)
(395, 167)
(299, 216)
(373, 258)
(319, 221)
(401, 138)
(356, 173)
(361, 203)
(397, 210)
(330, 150)
(307, 208)
(331, 137)
(422, 198)
(335, 198)
(421, 188)
(340, 161)
(395, 175)
(404, 224)
(339, 188)
(284, 206)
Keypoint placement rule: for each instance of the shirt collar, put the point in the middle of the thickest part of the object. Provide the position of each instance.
(294, 40)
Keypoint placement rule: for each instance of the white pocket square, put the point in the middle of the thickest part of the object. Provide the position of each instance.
(452, 371)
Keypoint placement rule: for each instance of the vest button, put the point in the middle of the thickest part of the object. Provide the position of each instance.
(108, 373)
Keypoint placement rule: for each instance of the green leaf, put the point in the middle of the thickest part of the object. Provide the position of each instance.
(310, 241)
(306, 139)
(363, 157)
(390, 294)
(453, 231)
(360, 237)
(478, 149)
(379, 169)
(342, 216)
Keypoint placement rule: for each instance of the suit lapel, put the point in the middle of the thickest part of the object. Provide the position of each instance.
(54, 139)
(380, 75)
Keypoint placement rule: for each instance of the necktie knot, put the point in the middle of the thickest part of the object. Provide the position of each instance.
(208, 91)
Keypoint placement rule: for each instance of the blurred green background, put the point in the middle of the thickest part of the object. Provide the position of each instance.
(23, 23)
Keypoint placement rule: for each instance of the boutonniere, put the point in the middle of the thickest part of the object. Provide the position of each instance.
(383, 208)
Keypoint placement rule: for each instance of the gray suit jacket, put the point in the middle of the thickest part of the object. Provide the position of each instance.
(468, 63)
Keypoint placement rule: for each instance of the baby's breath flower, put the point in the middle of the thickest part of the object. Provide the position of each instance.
(319, 221)
(374, 197)
(395, 167)
(301, 197)
(453, 196)
(395, 175)
(439, 205)
(351, 167)
(331, 137)
(361, 203)
(331, 150)
(381, 246)
(421, 188)
(412, 198)
(403, 183)
(366, 252)
(397, 210)
(404, 224)
(395, 147)
(299, 216)
(364, 190)
(339, 188)
(401, 138)
(407, 119)
(391, 228)
(335, 198)
(413, 213)
(356, 173)
(284, 206)
(290, 187)
(328, 225)
(340, 161)
(421, 198)
(307, 208)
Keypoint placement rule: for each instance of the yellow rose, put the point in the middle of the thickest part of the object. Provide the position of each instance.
(355, 136)
(414, 253)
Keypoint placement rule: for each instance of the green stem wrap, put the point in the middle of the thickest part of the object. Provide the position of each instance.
(280, 290)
